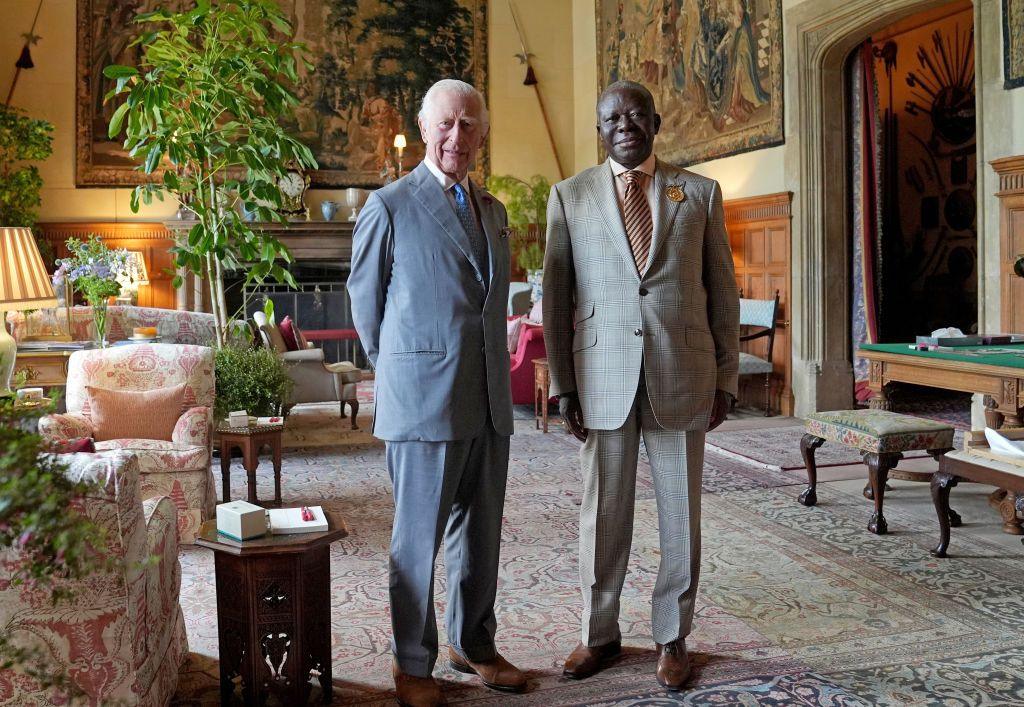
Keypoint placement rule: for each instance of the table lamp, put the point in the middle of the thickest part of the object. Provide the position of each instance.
(24, 284)
(135, 275)
(399, 148)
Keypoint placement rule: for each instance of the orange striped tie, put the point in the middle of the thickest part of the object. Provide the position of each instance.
(636, 213)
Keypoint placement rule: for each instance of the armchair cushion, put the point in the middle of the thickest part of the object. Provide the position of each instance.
(148, 414)
(315, 355)
(57, 429)
(193, 427)
(346, 371)
(288, 328)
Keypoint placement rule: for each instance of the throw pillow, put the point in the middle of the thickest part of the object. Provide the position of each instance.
(288, 329)
(513, 328)
(273, 335)
(74, 446)
(134, 414)
(537, 313)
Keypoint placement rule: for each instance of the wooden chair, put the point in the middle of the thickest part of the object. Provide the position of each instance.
(759, 313)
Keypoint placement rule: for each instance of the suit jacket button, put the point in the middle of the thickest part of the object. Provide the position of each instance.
(637, 332)
(643, 291)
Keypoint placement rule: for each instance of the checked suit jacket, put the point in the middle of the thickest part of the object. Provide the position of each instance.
(604, 323)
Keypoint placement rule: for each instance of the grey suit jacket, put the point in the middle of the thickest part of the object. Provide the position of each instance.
(602, 321)
(433, 329)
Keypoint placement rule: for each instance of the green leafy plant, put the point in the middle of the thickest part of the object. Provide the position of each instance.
(206, 106)
(22, 140)
(527, 206)
(93, 270)
(48, 542)
(251, 379)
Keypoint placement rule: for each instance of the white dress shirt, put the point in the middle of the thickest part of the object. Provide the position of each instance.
(646, 168)
(447, 183)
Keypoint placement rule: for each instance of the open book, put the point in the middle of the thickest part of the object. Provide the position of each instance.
(289, 520)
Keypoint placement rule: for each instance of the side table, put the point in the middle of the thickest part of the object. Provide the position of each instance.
(250, 440)
(274, 612)
(541, 385)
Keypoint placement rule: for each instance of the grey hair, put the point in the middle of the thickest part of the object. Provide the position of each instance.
(459, 88)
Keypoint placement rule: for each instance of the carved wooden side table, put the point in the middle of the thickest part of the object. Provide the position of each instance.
(541, 386)
(274, 612)
(249, 441)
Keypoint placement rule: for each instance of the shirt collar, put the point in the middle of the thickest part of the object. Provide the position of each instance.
(446, 181)
(647, 166)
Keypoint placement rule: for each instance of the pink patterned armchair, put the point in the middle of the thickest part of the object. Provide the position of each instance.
(530, 347)
(179, 468)
(120, 638)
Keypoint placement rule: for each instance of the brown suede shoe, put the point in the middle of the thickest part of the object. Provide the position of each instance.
(413, 691)
(673, 664)
(585, 661)
(496, 673)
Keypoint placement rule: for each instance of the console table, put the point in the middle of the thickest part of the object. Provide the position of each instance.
(274, 612)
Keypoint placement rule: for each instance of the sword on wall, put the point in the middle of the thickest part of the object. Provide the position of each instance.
(531, 80)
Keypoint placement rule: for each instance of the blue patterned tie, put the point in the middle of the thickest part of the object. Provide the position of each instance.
(476, 239)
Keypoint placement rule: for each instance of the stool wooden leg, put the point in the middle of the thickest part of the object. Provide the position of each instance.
(354, 404)
(941, 485)
(767, 394)
(879, 464)
(809, 443)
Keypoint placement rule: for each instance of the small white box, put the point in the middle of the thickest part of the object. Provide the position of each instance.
(240, 520)
(238, 418)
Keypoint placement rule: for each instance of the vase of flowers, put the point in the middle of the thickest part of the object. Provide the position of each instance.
(92, 270)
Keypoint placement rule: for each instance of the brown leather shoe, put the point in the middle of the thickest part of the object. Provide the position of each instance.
(496, 673)
(673, 664)
(413, 691)
(584, 661)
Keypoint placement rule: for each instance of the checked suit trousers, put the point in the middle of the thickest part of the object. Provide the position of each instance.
(609, 462)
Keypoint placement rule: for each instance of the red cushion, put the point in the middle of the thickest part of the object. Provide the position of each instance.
(288, 334)
(74, 446)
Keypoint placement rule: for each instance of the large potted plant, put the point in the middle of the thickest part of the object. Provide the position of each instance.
(22, 140)
(205, 106)
(526, 203)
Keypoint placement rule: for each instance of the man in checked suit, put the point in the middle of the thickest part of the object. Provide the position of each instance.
(641, 324)
(429, 284)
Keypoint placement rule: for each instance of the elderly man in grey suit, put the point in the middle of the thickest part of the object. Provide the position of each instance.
(641, 323)
(429, 283)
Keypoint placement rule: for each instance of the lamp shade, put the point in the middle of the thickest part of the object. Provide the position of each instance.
(138, 267)
(24, 282)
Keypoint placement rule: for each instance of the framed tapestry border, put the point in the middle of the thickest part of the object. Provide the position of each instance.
(89, 172)
(1013, 43)
(770, 134)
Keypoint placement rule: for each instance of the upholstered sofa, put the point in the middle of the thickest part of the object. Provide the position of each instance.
(180, 467)
(173, 326)
(120, 638)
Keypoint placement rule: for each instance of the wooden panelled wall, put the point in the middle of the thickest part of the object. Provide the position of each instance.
(1011, 240)
(759, 233)
(153, 240)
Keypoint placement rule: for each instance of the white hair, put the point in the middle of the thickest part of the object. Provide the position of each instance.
(459, 88)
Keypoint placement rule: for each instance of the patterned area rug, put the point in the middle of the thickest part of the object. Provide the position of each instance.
(797, 605)
(778, 449)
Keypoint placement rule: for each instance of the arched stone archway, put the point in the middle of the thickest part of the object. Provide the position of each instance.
(819, 35)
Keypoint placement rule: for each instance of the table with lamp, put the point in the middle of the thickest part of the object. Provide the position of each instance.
(24, 284)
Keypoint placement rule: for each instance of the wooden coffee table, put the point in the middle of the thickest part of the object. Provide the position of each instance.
(249, 441)
(274, 612)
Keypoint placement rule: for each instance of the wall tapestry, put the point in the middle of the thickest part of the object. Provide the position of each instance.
(714, 67)
(1013, 43)
(374, 60)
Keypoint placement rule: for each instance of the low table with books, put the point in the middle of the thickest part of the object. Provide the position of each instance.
(261, 432)
(274, 607)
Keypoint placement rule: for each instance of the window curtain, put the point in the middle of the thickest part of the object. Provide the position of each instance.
(865, 208)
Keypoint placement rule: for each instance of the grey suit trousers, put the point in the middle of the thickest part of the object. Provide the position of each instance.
(609, 461)
(455, 491)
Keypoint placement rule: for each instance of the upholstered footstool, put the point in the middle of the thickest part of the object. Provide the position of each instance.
(881, 437)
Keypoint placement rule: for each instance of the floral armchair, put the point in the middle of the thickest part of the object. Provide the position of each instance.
(179, 468)
(120, 638)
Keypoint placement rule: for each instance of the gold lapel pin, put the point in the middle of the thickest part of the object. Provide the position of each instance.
(675, 193)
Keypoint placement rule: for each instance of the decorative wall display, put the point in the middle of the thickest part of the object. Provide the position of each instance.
(1013, 43)
(374, 59)
(714, 67)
